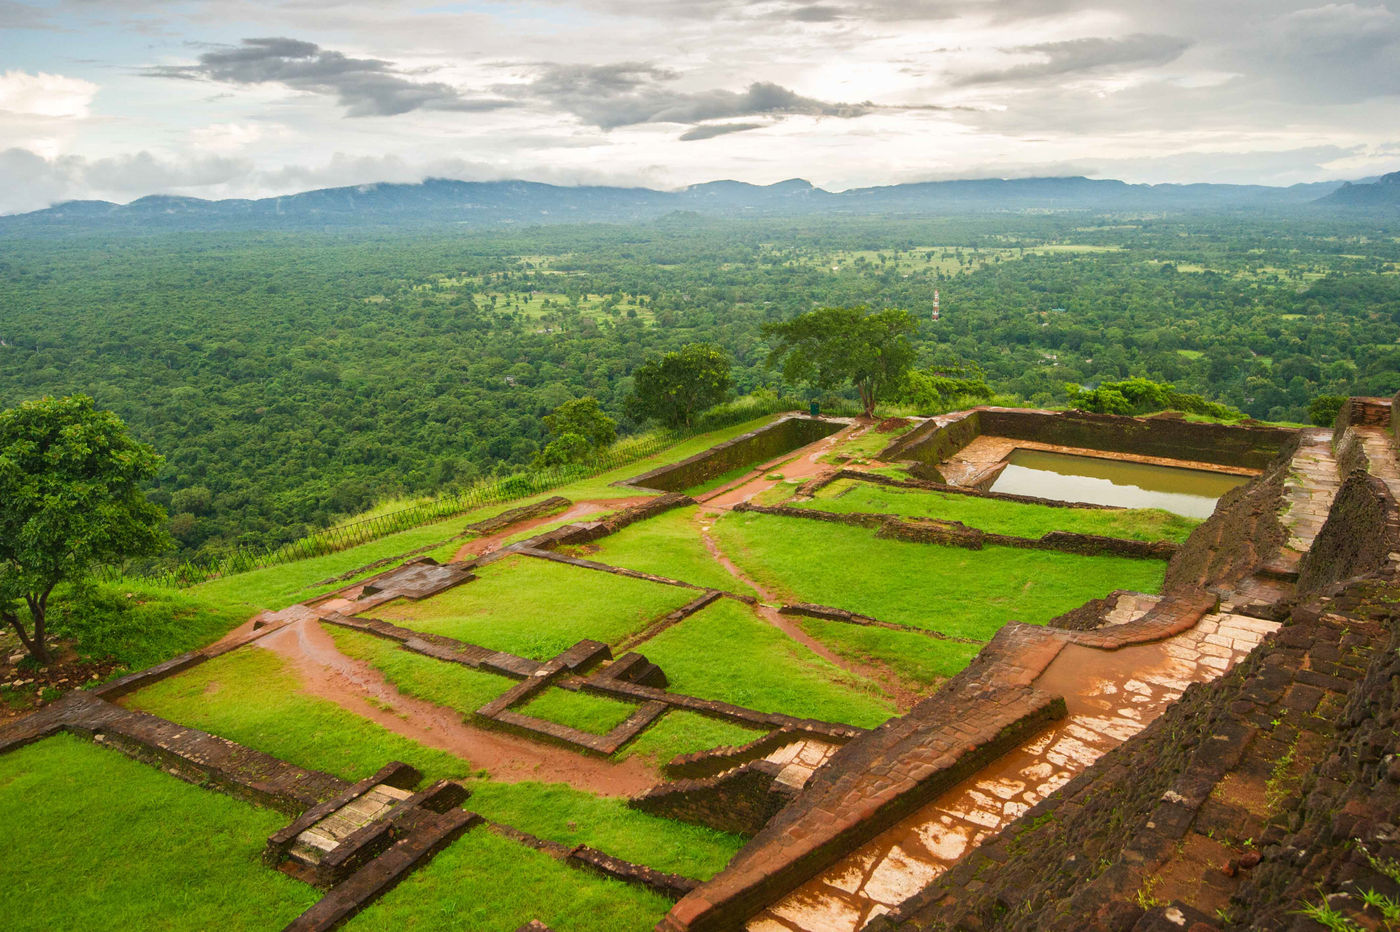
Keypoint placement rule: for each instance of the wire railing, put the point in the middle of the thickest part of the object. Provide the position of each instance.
(488, 492)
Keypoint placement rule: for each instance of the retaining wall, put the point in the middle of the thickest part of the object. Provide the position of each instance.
(757, 446)
(1245, 446)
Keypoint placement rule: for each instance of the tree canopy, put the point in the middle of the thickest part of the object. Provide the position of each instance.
(71, 498)
(834, 345)
(579, 428)
(680, 385)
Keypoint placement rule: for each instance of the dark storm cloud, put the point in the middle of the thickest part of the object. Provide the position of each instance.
(633, 93)
(711, 130)
(364, 86)
(1083, 55)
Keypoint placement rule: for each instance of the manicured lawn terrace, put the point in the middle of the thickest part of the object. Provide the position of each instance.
(726, 652)
(1000, 517)
(251, 697)
(963, 593)
(666, 545)
(483, 881)
(538, 608)
(94, 840)
(917, 658)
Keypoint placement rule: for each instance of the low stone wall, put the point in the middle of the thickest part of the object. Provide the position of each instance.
(1364, 412)
(741, 800)
(831, 613)
(931, 485)
(1362, 530)
(672, 886)
(543, 509)
(1246, 446)
(935, 440)
(867, 786)
(957, 534)
(758, 446)
(714, 761)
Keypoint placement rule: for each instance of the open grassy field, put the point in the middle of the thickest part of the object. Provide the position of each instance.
(94, 840)
(667, 545)
(1001, 517)
(964, 593)
(569, 816)
(727, 652)
(920, 660)
(584, 711)
(538, 608)
(483, 881)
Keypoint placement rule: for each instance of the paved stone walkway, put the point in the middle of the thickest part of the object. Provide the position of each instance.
(1311, 485)
(1111, 696)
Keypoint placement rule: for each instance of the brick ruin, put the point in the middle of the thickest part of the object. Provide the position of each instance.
(1216, 756)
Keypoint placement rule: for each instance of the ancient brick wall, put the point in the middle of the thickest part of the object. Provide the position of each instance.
(1243, 531)
(934, 442)
(741, 800)
(757, 446)
(1362, 530)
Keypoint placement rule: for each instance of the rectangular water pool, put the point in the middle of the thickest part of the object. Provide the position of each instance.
(1069, 478)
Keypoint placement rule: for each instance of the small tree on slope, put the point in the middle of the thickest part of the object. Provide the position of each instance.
(70, 499)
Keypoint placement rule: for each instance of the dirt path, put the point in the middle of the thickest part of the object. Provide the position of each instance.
(802, 464)
(359, 688)
(482, 545)
(903, 697)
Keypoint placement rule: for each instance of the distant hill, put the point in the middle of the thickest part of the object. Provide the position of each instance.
(1385, 192)
(440, 201)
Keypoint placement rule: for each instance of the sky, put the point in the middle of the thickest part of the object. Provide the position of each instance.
(116, 99)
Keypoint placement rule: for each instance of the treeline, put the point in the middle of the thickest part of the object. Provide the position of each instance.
(290, 380)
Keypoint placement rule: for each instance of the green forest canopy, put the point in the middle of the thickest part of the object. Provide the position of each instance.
(291, 378)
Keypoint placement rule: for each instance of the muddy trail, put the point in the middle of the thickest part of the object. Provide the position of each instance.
(359, 688)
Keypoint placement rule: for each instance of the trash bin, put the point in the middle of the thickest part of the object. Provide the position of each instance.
(816, 409)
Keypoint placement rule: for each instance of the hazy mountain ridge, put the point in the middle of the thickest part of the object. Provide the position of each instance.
(439, 201)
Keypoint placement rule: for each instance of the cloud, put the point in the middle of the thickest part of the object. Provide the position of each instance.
(38, 182)
(1073, 56)
(711, 130)
(632, 93)
(364, 86)
(22, 16)
(45, 95)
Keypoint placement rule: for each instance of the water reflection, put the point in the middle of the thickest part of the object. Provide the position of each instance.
(1069, 478)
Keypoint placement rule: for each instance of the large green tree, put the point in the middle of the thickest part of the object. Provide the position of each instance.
(579, 429)
(70, 500)
(831, 346)
(679, 386)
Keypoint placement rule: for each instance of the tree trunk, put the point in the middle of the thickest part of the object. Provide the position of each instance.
(38, 641)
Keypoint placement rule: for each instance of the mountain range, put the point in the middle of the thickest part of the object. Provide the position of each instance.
(493, 203)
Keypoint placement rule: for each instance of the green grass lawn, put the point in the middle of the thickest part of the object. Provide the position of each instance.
(250, 696)
(538, 608)
(727, 652)
(964, 593)
(594, 714)
(681, 732)
(139, 625)
(1002, 517)
(667, 545)
(437, 681)
(483, 881)
(569, 816)
(95, 840)
(921, 660)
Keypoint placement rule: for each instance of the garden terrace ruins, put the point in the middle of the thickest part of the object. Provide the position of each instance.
(820, 675)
